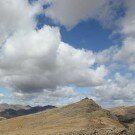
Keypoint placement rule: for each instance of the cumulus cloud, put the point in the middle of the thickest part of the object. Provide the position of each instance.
(28, 57)
(14, 15)
(37, 65)
(62, 93)
(118, 90)
(107, 55)
(78, 67)
(127, 23)
(37, 60)
(127, 52)
(2, 95)
(70, 13)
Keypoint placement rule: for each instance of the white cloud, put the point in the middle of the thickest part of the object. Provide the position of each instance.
(37, 60)
(107, 55)
(14, 15)
(2, 95)
(28, 59)
(64, 91)
(126, 54)
(33, 61)
(76, 65)
(127, 23)
(46, 97)
(119, 89)
(70, 12)
(37, 65)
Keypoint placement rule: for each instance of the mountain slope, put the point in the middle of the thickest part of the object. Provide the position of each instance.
(84, 117)
(126, 115)
(5, 106)
(10, 113)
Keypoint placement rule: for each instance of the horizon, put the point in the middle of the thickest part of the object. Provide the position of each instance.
(57, 52)
(62, 105)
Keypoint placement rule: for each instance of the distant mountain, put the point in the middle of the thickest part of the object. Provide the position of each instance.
(5, 106)
(82, 118)
(10, 111)
(125, 115)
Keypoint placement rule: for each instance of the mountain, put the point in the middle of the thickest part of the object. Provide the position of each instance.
(125, 115)
(16, 111)
(5, 106)
(82, 118)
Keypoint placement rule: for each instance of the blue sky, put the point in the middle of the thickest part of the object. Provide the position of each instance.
(91, 34)
(66, 50)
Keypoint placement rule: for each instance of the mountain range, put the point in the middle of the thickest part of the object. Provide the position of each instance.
(10, 111)
(81, 118)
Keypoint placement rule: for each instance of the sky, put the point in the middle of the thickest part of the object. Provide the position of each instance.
(60, 51)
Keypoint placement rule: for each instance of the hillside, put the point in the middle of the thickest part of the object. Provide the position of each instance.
(126, 115)
(83, 117)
